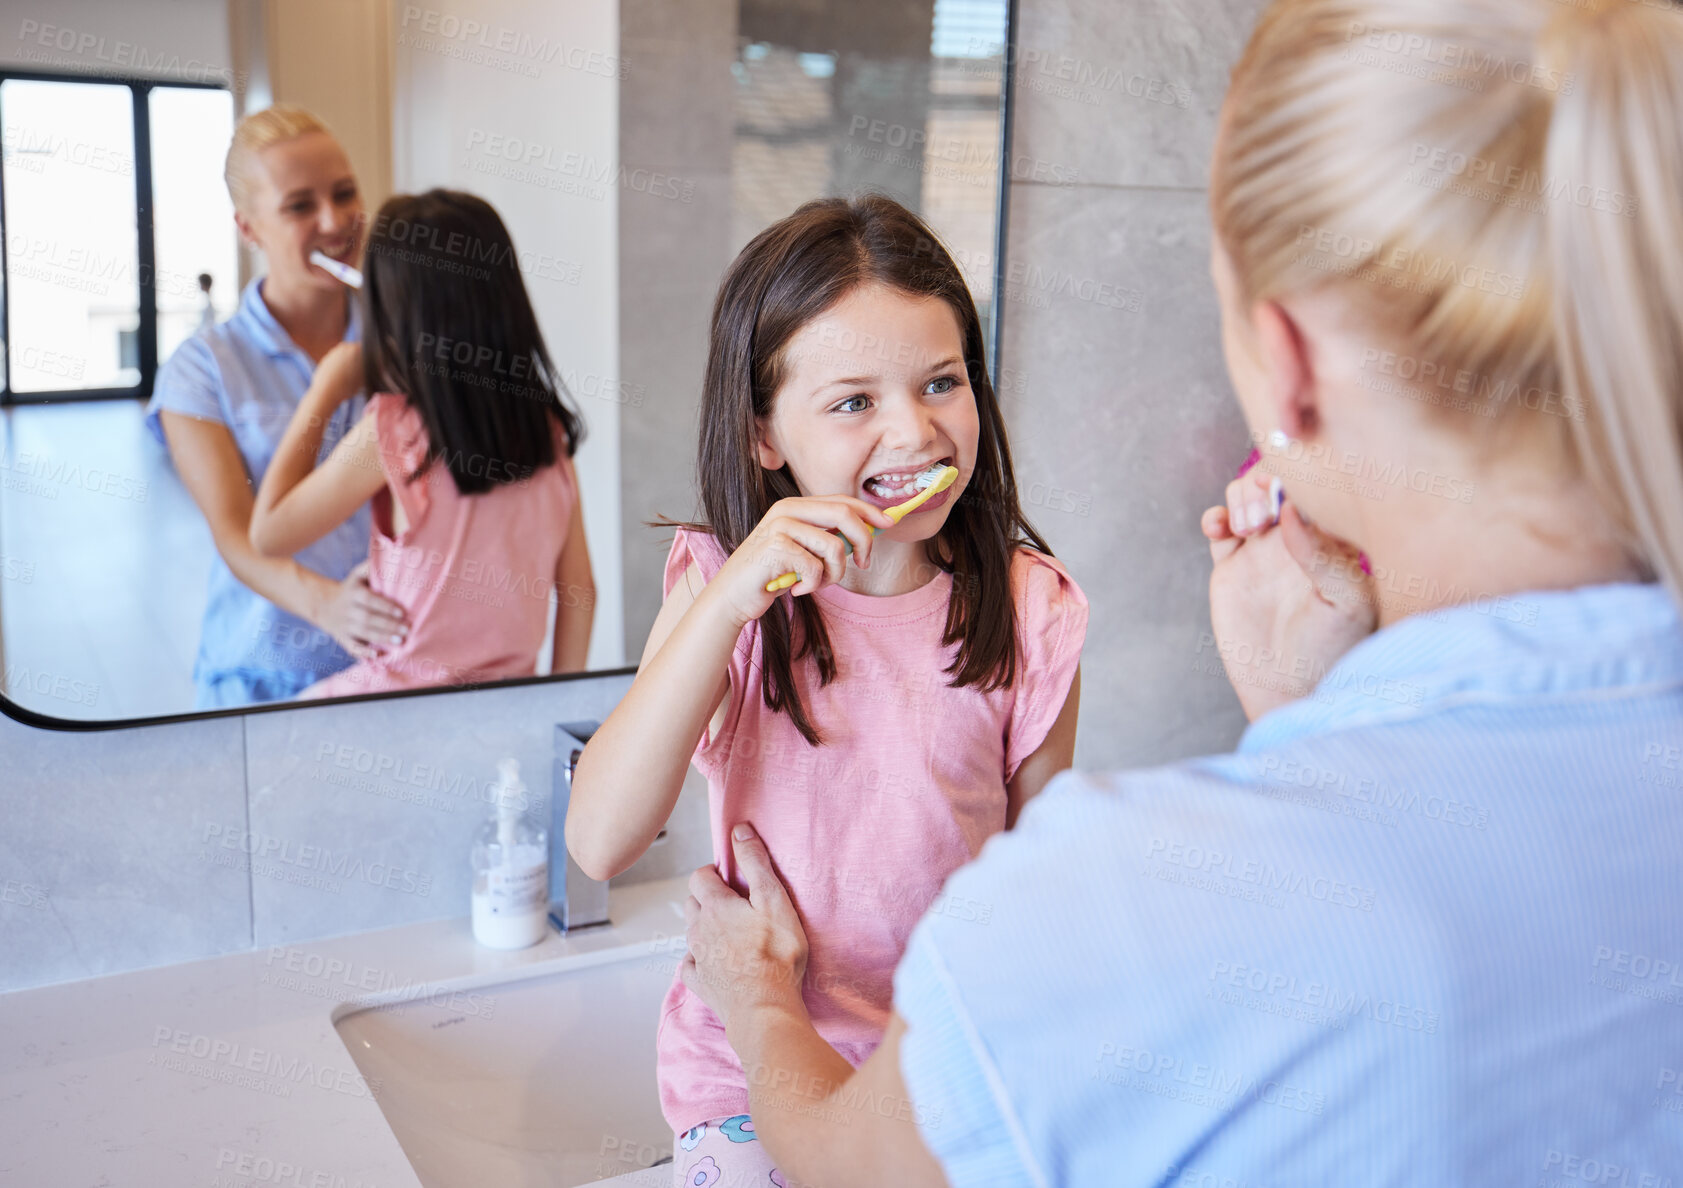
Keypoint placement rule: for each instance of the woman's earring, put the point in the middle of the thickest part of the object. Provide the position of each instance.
(1279, 441)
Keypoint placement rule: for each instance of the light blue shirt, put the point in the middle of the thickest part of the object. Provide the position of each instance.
(1424, 927)
(248, 374)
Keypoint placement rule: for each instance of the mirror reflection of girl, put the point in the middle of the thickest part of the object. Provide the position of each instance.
(273, 625)
(465, 450)
(901, 706)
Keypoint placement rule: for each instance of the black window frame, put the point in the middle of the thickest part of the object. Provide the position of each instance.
(140, 90)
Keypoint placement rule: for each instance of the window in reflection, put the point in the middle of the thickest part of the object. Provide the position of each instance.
(830, 103)
(81, 292)
(192, 218)
(72, 258)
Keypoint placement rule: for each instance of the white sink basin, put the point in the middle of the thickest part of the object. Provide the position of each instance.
(546, 1080)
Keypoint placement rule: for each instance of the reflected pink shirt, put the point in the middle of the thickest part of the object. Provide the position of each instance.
(474, 572)
(909, 783)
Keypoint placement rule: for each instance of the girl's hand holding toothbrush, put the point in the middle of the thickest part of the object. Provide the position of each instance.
(802, 536)
(1286, 600)
(338, 376)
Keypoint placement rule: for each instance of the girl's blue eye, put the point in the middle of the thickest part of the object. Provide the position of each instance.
(843, 406)
(948, 380)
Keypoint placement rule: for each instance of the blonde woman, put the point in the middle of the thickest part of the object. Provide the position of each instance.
(272, 626)
(1423, 927)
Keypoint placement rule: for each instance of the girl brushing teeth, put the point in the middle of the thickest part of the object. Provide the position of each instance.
(895, 707)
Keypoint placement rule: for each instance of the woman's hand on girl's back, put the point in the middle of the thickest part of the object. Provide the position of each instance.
(361, 621)
(1286, 600)
(748, 951)
(795, 537)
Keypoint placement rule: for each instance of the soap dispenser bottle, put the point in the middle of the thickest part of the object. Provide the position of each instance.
(510, 869)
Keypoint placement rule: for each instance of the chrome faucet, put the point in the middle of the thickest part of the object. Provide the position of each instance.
(575, 899)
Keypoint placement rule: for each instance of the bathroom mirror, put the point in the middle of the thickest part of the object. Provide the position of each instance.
(631, 147)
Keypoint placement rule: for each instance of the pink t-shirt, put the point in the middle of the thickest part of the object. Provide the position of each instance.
(474, 572)
(908, 784)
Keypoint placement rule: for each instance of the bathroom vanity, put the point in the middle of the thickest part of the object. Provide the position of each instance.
(403, 1058)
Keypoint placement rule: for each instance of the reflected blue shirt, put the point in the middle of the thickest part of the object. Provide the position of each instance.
(1424, 927)
(248, 374)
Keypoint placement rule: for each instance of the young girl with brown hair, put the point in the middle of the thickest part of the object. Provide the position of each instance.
(902, 704)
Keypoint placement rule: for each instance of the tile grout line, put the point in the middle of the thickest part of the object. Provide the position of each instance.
(251, 867)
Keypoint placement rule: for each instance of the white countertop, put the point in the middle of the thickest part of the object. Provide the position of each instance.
(228, 1072)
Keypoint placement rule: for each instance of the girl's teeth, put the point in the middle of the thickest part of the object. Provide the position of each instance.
(890, 485)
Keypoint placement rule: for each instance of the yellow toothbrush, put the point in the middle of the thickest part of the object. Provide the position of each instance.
(935, 482)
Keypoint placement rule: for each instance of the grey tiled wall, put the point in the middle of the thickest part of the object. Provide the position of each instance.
(1122, 422)
(99, 867)
(125, 849)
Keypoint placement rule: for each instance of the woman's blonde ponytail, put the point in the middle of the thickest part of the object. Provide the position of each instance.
(1495, 189)
(1618, 293)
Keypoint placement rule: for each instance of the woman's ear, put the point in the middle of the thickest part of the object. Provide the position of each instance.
(243, 226)
(1288, 370)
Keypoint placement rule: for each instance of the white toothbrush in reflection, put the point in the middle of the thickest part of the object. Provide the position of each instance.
(344, 272)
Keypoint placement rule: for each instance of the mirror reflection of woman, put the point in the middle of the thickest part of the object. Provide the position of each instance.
(273, 626)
